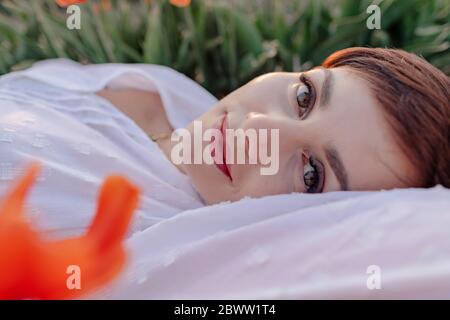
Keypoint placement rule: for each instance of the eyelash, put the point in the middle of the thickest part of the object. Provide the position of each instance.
(318, 170)
(305, 81)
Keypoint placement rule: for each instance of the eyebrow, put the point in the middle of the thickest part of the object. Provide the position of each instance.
(333, 157)
(327, 87)
(335, 162)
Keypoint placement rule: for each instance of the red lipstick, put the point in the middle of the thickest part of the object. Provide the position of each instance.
(224, 167)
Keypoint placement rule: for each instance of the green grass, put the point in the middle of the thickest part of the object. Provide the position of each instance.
(221, 44)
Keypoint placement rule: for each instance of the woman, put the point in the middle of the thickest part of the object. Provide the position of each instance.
(367, 119)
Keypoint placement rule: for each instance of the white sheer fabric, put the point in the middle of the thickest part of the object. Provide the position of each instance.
(340, 245)
(50, 113)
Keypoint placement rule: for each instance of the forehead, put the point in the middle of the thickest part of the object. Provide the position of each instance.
(358, 129)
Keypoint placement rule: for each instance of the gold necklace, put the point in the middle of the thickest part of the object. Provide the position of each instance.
(159, 136)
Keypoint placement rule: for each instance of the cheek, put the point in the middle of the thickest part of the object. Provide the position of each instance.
(251, 184)
(255, 120)
(250, 98)
(257, 185)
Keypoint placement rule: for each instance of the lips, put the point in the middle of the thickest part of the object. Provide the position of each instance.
(223, 167)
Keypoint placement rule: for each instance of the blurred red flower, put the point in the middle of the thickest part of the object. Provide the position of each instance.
(32, 267)
(66, 3)
(180, 3)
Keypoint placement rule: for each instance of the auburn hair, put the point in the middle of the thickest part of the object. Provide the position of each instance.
(415, 98)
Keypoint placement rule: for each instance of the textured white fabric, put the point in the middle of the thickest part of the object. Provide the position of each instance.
(50, 113)
(296, 246)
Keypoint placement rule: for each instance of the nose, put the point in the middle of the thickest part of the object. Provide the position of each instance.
(254, 116)
(293, 134)
(259, 120)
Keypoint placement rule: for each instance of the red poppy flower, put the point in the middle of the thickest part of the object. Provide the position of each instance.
(66, 3)
(180, 3)
(33, 267)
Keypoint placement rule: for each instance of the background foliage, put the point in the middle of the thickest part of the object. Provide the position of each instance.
(220, 44)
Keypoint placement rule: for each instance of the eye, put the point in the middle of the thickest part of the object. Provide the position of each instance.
(305, 96)
(313, 175)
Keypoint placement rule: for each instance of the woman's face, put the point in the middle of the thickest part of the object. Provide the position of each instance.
(331, 136)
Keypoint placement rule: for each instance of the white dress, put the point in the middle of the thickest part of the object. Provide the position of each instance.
(50, 113)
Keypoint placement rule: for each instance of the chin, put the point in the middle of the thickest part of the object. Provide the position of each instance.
(211, 197)
(218, 195)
